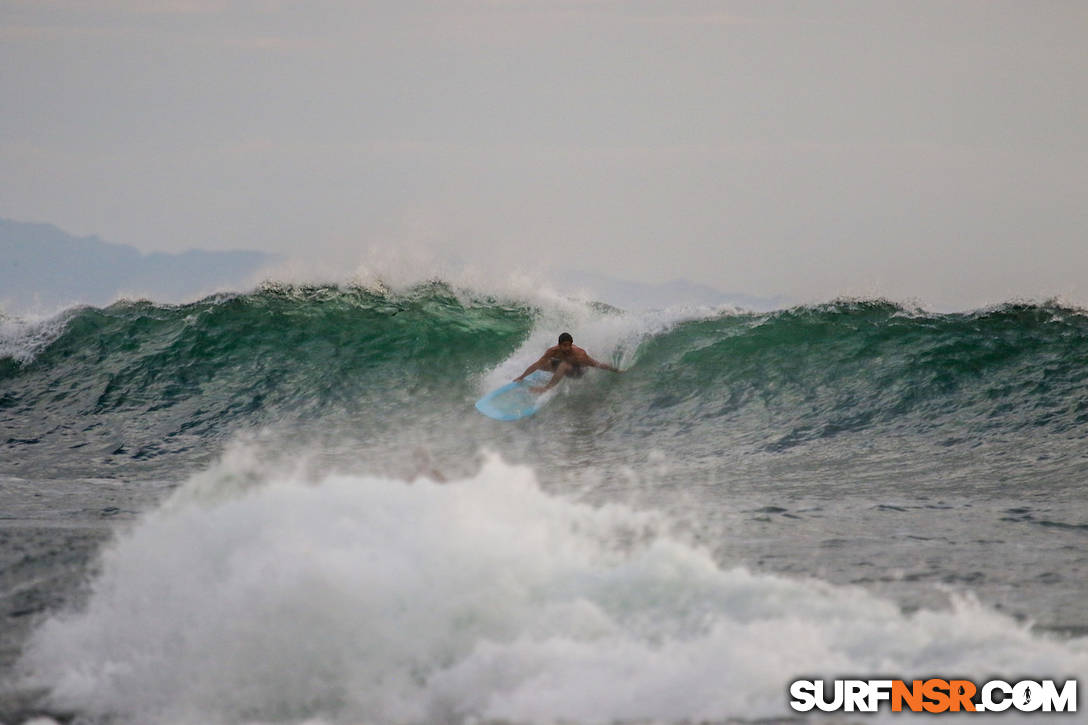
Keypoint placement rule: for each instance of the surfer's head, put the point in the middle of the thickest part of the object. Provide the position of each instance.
(566, 338)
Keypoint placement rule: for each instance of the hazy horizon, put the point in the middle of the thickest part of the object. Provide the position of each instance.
(934, 152)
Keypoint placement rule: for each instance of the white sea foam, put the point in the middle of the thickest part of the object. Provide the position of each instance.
(22, 338)
(354, 598)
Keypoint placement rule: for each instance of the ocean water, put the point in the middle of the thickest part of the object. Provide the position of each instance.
(281, 507)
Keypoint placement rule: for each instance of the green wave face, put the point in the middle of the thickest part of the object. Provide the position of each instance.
(158, 379)
(815, 373)
(144, 384)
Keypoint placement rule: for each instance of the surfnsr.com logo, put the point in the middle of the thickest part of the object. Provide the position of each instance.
(933, 695)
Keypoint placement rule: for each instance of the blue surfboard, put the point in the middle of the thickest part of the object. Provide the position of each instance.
(514, 400)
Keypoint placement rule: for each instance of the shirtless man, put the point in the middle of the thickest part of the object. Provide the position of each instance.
(564, 359)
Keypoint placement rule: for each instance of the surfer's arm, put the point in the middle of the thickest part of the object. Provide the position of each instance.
(528, 370)
(601, 365)
(538, 365)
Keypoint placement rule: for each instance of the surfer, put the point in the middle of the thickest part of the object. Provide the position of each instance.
(564, 360)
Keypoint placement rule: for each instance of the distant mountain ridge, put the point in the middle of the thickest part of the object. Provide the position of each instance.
(43, 267)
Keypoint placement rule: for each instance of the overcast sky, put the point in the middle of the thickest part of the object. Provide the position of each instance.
(929, 151)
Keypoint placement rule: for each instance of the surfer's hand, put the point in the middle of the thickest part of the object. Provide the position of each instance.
(538, 389)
